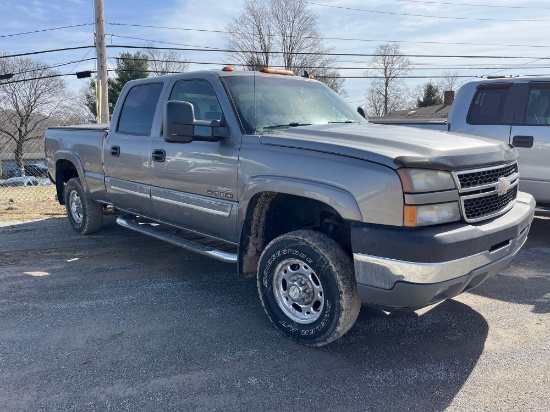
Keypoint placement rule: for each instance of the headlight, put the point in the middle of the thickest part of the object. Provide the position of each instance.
(424, 215)
(425, 180)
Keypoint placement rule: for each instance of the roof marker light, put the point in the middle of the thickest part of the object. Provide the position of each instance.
(277, 71)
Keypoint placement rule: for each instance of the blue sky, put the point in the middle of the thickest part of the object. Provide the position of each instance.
(486, 27)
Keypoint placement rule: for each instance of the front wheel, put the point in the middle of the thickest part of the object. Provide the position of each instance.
(85, 215)
(307, 287)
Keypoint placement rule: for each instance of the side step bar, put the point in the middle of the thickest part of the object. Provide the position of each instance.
(128, 223)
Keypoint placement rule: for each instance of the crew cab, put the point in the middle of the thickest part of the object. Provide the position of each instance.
(277, 174)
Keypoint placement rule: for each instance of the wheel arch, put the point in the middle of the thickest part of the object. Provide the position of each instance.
(272, 206)
(67, 166)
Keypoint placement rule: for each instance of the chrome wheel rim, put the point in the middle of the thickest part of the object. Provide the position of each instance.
(75, 205)
(298, 291)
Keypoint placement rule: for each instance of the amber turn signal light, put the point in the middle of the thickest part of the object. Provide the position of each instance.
(277, 71)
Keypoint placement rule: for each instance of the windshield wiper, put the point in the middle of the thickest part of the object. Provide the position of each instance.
(293, 124)
(347, 121)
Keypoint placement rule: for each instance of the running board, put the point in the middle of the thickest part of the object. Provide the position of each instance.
(146, 229)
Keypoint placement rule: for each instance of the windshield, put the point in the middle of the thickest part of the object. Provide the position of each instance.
(270, 103)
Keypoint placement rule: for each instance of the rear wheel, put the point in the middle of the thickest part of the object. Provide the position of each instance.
(307, 286)
(85, 215)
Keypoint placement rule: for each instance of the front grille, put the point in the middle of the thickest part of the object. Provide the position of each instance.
(488, 192)
(479, 207)
(485, 177)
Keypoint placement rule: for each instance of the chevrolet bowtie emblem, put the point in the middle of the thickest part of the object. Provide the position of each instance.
(503, 186)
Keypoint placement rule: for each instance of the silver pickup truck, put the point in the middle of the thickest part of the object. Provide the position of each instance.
(277, 174)
(514, 110)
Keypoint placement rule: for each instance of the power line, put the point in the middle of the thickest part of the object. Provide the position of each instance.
(166, 27)
(82, 60)
(39, 78)
(336, 38)
(54, 108)
(318, 77)
(277, 52)
(326, 67)
(54, 66)
(473, 5)
(326, 54)
(516, 67)
(339, 77)
(421, 15)
(6, 56)
(157, 41)
(44, 30)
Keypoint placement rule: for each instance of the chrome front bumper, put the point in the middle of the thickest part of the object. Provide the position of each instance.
(384, 273)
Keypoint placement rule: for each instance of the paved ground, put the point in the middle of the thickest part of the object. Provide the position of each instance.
(120, 321)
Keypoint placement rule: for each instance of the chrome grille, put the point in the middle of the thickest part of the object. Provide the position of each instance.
(479, 207)
(487, 176)
(487, 192)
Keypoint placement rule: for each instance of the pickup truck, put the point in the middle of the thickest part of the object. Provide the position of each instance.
(277, 174)
(514, 110)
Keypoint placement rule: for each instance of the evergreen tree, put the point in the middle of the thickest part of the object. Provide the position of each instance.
(431, 96)
(128, 67)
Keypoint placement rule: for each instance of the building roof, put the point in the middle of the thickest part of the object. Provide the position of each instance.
(438, 112)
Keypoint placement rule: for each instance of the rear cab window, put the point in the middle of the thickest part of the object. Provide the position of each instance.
(489, 105)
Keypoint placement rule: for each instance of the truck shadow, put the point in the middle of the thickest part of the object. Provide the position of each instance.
(411, 361)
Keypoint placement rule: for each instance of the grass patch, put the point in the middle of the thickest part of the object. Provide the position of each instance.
(29, 203)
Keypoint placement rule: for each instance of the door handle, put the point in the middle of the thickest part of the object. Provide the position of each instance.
(115, 151)
(159, 155)
(523, 141)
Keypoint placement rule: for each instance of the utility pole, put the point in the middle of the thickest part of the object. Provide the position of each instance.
(102, 91)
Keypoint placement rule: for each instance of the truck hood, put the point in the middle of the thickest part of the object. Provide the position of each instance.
(395, 146)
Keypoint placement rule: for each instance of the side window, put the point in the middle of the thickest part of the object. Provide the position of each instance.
(201, 95)
(488, 106)
(139, 108)
(538, 106)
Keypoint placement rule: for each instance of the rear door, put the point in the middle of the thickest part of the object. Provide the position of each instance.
(127, 150)
(194, 184)
(531, 136)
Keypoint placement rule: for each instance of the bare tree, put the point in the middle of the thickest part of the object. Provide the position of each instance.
(32, 99)
(282, 33)
(331, 77)
(450, 81)
(387, 93)
(162, 62)
(249, 35)
(380, 103)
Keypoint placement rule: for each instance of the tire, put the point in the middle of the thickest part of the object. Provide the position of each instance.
(85, 215)
(307, 287)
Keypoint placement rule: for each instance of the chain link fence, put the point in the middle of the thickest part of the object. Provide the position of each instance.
(26, 192)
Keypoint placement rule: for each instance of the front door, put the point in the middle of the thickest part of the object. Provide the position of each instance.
(194, 184)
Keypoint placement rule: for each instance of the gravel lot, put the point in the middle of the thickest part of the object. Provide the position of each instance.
(119, 321)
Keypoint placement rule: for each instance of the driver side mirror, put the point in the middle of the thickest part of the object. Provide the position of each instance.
(362, 110)
(180, 126)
